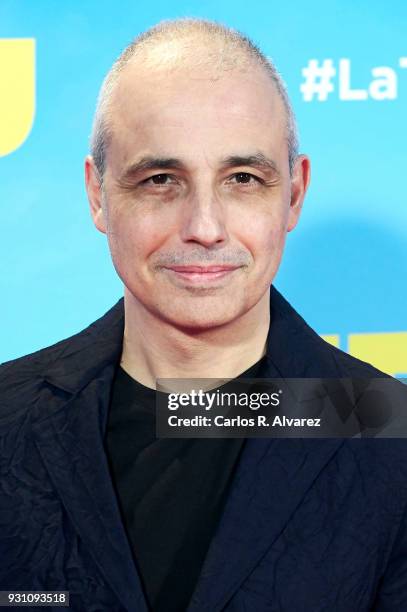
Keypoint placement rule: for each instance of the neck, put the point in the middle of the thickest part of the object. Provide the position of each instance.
(153, 348)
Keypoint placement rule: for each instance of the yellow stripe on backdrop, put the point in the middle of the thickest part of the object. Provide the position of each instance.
(17, 92)
(331, 338)
(387, 351)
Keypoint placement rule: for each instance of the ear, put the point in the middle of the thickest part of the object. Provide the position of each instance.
(300, 179)
(94, 190)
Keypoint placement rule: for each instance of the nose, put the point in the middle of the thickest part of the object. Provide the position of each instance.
(203, 218)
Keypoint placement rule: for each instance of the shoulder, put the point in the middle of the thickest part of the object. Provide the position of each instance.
(302, 351)
(67, 364)
(348, 364)
(21, 379)
(38, 361)
(382, 454)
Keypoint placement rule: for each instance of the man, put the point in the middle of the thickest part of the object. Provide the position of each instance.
(195, 178)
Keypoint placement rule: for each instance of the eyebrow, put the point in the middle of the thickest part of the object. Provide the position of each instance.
(151, 163)
(255, 160)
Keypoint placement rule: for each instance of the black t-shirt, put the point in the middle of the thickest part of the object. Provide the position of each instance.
(171, 492)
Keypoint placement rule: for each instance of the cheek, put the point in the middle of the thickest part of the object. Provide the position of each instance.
(263, 235)
(133, 237)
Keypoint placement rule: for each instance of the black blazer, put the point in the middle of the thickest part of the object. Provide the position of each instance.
(308, 526)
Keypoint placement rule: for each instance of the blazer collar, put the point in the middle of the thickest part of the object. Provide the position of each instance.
(293, 348)
(75, 362)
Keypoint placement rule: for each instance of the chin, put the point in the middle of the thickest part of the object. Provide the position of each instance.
(199, 319)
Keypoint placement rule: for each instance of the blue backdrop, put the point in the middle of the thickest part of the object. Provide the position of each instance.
(345, 65)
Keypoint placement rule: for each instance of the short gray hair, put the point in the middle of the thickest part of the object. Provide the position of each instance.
(235, 50)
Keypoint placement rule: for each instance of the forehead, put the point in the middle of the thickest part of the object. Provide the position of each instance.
(186, 111)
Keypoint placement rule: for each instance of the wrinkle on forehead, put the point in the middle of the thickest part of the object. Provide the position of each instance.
(145, 88)
(148, 99)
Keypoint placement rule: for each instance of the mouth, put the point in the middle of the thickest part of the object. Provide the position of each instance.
(199, 274)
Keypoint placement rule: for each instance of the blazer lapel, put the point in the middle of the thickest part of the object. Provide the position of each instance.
(69, 425)
(70, 442)
(271, 479)
(273, 475)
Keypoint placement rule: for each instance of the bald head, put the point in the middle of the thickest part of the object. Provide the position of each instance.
(197, 45)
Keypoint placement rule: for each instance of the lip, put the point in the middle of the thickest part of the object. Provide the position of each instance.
(202, 269)
(201, 273)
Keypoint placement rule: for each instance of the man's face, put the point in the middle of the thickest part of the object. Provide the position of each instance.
(197, 193)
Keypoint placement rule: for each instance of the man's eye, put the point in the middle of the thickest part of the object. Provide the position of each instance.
(159, 179)
(245, 177)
